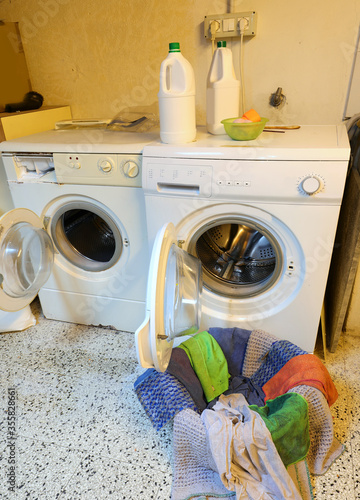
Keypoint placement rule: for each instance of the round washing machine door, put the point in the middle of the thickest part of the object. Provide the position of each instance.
(252, 263)
(85, 233)
(173, 302)
(26, 258)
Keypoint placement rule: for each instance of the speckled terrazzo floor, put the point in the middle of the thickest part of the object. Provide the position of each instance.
(82, 434)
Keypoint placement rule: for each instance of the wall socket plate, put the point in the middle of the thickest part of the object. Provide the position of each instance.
(229, 24)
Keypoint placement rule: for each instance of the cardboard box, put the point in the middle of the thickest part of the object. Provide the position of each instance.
(14, 125)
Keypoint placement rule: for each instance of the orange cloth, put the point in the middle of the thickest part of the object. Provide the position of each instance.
(305, 369)
(252, 115)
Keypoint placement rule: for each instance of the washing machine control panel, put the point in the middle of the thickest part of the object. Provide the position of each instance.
(305, 182)
(98, 169)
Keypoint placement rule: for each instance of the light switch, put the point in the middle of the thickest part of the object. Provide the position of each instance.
(225, 24)
(231, 26)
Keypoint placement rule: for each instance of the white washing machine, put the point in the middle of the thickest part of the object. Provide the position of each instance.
(255, 219)
(77, 236)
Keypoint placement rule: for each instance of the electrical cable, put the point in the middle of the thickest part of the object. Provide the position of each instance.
(242, 74)
(243, 24)
(214, 27)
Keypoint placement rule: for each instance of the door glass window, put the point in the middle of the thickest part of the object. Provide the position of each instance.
(26, 256)
(239, 259)
(183, 285)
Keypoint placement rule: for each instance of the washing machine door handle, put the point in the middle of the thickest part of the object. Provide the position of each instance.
(142, 345)
(173, 300)
(26, 258)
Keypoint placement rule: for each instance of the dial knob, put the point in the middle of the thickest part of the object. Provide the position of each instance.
(311, 184)
(105, 165)
(131, 169)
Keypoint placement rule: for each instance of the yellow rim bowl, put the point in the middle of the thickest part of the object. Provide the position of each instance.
(243, 131)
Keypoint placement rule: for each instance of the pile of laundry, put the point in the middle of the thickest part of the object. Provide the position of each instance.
(251, 415)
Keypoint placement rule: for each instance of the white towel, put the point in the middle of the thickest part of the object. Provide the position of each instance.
(244, 453)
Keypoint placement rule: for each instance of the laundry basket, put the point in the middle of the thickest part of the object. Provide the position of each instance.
(260, 357)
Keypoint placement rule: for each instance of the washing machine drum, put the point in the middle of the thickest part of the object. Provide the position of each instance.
(237, 260)
(87, 236)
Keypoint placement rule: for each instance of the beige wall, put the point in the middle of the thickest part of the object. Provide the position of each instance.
(352, 320)
(102, 56)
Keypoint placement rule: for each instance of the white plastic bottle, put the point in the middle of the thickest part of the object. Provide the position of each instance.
(177, 98)
(222, 91)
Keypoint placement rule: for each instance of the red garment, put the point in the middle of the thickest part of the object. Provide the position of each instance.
(305, 369)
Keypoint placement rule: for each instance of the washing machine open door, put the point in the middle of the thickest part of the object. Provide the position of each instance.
(26, 258)
(172, 303)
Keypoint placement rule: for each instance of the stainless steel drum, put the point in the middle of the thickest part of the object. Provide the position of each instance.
(237, 260)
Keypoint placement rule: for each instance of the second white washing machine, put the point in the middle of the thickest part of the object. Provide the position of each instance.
(78, 234)
(241, 235)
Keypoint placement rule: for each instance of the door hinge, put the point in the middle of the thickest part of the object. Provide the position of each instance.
(46, 221)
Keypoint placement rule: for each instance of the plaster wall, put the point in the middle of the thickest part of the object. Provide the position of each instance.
(100, 57)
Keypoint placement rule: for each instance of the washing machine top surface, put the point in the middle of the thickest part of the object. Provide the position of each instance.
(81, 140)
(309, 142)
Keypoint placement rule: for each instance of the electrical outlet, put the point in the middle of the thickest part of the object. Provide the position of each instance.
(229, 24)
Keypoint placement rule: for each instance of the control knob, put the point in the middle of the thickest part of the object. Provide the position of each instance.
(131, 169)
(311, 184)
(105, 166)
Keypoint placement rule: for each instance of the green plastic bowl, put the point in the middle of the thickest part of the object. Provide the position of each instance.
(243, 131)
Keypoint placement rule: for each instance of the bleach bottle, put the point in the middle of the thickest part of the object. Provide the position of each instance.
(223, 90)
(177, 98)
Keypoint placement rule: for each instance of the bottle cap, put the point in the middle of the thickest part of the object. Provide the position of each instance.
(222, 43)
(174, 47)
